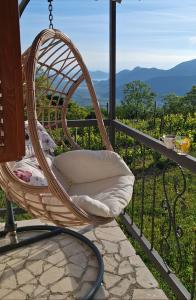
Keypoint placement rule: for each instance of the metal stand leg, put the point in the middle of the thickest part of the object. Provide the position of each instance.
(10, 225)
(46, 232)
(51, 231)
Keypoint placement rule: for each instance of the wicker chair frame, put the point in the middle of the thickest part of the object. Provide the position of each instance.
(55, 58)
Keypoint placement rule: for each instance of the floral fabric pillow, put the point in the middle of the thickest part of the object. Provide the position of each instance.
(46, 141)
(29, 171)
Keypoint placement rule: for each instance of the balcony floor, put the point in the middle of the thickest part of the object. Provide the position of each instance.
(63, 268)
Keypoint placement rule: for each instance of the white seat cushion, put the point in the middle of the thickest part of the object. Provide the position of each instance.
(106, 198)
(101, 182)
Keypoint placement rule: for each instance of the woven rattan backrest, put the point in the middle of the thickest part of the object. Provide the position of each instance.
(56, 66)
(59, 70)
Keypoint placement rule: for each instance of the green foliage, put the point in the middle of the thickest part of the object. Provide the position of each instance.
(138, 100)
(172, 103)
(41, 82)
(76, 112)
(177, 124)
(190, 100)
(180, 104)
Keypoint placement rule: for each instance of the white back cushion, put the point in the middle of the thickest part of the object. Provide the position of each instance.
(86, 166)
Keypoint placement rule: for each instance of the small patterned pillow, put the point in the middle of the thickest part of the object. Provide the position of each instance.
(46, 141)
(29, 171)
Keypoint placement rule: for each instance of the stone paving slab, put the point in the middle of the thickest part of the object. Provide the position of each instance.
(64, 268)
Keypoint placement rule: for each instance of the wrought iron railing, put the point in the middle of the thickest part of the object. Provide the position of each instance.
(161, 214)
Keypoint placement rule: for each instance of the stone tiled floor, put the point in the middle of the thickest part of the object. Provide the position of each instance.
(63, 268)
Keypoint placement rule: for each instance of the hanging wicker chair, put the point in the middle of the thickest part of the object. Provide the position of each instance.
(55, 59)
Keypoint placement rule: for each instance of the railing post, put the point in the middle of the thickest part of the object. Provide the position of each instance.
(112, 77)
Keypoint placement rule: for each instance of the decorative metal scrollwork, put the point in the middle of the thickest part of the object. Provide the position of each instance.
(170, 229)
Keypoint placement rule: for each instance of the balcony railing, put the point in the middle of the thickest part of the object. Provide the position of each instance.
(161, 214)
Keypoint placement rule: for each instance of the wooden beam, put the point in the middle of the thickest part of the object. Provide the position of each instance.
(11, 95)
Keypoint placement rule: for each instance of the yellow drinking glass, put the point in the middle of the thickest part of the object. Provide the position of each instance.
(182, 144)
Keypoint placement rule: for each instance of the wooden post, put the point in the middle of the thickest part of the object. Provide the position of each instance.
(11, 95)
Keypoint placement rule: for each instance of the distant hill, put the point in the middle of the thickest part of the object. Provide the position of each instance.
(178, 79)
(187, 68)
(99, 75)
(179, 85)
(172, 84)
(139, 73)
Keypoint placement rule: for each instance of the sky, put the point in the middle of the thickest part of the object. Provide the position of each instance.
(150, 33)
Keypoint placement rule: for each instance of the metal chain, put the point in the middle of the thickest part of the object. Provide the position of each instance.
(50, 8)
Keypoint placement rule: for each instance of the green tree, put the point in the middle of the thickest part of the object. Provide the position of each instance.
(173, 104)
(138, 100)
(190, 100)
(76, 112)
(42, 82)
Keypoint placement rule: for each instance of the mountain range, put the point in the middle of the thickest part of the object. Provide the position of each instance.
(178, 80)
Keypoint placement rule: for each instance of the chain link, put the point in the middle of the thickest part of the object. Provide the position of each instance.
(50, 8)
